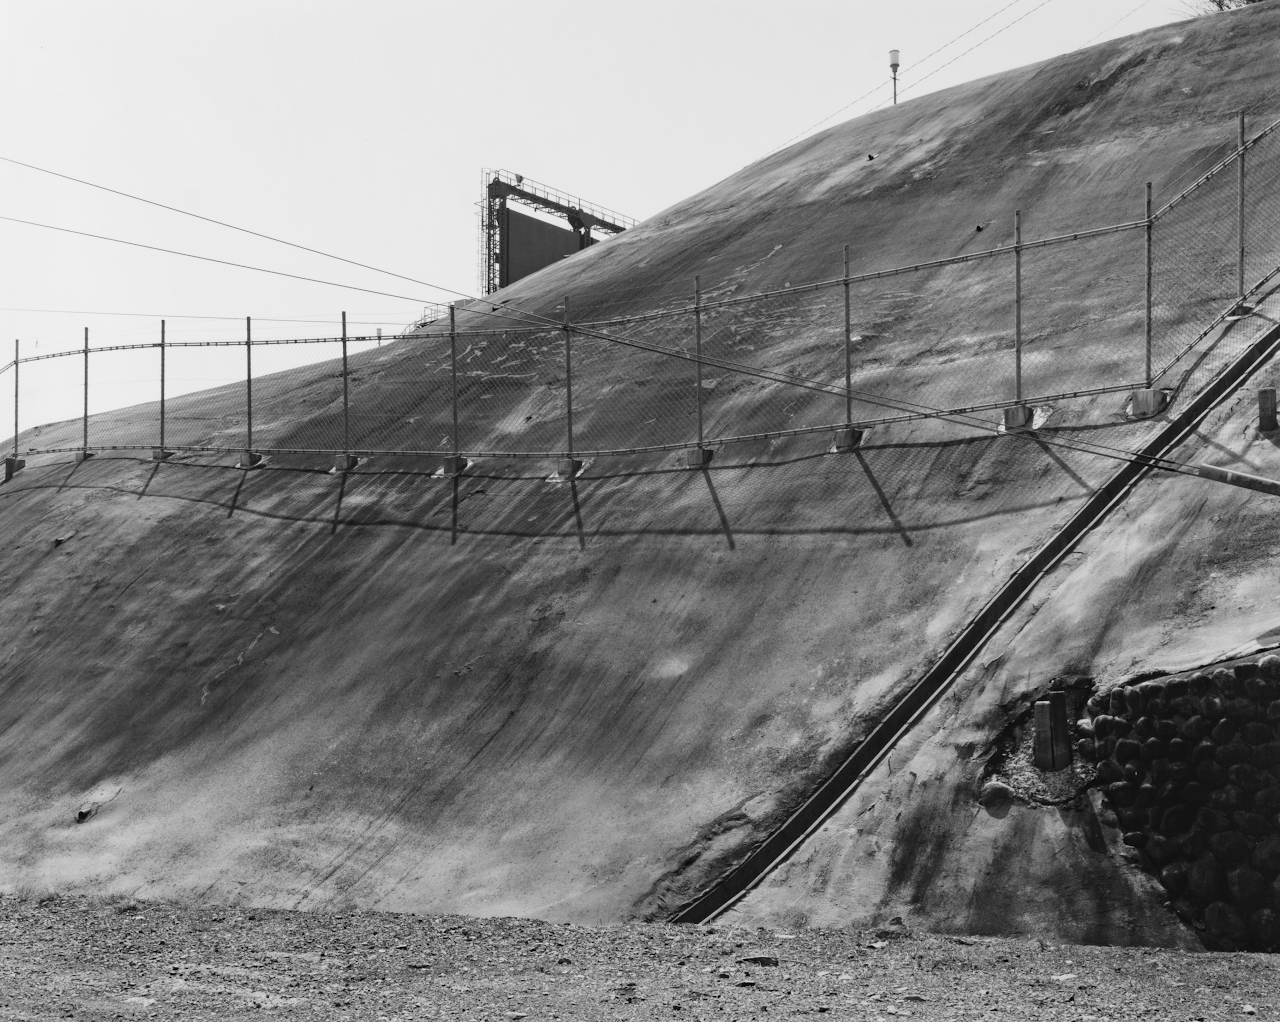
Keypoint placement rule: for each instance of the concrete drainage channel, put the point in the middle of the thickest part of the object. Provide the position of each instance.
(832, 793)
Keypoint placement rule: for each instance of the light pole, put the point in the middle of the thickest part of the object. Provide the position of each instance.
(893, 67)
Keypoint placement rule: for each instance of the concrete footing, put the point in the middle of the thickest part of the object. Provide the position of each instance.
(698, 457)
(1017, 417)
(568, 468)
(848, 439)
(12, 466)
(1148, 402)
(1052, 738)
(1267, 410)
(345, 462)
(453, 465)
(249, 459)
(160, 454)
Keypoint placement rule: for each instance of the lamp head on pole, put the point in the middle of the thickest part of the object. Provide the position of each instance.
(893, 61)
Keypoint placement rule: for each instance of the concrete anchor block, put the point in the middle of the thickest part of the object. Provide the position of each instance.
(848, 439)
(1267, 410)
(160, 454)
(249, 459)
(345, 462)
(83, 456)
(1147, 402)
(453, 465)
(12, 466)
(568, 468)
(1052, 738)
(1017, 417)
(698, 457)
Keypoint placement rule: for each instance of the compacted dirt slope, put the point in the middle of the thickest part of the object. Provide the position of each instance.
(510, 695)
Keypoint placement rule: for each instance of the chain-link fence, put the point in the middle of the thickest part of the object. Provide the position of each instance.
(1162, 301)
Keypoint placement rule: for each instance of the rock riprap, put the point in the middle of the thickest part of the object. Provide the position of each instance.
(1191, 766)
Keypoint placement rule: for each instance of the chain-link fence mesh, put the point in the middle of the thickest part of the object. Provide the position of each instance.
(51, 402)
(210, 403)
(1083, 314)
(1194, 266)
(124, 397)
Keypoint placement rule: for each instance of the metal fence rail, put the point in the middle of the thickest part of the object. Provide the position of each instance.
(1153, 302)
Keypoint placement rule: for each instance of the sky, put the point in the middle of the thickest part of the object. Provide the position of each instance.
(361, 129)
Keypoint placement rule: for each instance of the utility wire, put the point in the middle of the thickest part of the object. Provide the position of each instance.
(980, 42)
(883, 85)
(223, 223)
(1115, 23)
(209, 259)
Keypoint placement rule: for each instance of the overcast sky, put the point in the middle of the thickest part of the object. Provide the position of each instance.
(361, 129)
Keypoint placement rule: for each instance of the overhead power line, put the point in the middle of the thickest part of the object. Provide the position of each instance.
(211, 259)
(980, 42)
(883, 85)
(223, 223)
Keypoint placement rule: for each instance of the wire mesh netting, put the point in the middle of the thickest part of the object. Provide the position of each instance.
(206, 395)
(512, 391)
(398, 395)
(51, 402)
(1194, 249)
(636, 391)
(1262, 210)
(124, 397)
(297, 396)
(1083, 314)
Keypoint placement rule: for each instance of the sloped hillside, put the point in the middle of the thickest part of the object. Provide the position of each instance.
(508, 695)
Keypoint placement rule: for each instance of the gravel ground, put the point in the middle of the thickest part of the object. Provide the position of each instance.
(118, 958)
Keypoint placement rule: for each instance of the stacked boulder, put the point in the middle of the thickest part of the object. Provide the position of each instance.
(1191, 766)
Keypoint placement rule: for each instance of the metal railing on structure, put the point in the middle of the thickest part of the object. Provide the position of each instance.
(1138, 305)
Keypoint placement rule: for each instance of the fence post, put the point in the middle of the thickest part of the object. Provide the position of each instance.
(1019, 416)
(162, 375)
(1240, 210)
(84, 454)
(160, 453)
(13, 462)
(848, 346)
(1017, 305)
(697, 347)
(454, 464)
(848, 438)
(344, 462)
(569, 465)
(248, 459)
(1147, 375)
(699, 456)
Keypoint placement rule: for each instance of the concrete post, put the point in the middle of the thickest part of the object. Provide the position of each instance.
(1052, 738)
(1267, 410)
